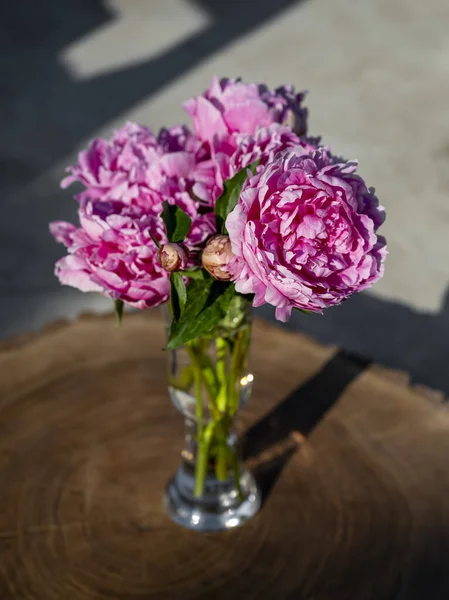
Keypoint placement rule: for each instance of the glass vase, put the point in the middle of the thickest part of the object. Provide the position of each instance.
(208, 382)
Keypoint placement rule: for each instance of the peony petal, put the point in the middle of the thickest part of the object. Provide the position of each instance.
(207, 119)
(283, 313)
(62, 232)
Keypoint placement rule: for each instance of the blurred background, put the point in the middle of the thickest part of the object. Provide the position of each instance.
(377, 72)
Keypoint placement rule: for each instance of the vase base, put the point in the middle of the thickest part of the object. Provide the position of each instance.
(219, 509)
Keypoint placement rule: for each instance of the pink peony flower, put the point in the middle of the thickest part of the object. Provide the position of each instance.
(117, 169)
(142, 171)
(135, 167)
(304, 233)
(113, 253)
(241, 150)
(229, 105)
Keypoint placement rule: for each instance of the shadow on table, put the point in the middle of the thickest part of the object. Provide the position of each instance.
(391, 333)
(299, 413)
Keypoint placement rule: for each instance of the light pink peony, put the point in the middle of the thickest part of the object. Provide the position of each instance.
(113, 253)
(303, 233)
(229, 105)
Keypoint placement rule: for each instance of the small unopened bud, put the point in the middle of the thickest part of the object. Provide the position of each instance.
(173, 257)
(216, 256)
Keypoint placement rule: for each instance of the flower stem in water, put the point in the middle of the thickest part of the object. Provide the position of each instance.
(202, 461)
(221, 463)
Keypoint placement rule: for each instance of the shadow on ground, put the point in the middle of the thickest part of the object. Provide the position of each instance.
(46, 113)
(390, 333)
(299, 413)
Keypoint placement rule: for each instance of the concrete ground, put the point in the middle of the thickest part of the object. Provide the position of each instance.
(378, 76)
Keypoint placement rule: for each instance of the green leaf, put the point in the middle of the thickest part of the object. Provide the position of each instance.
(207, 303)
(230, 196)
(119, 311)
(178, 294)
(194, 274)
(177, 222)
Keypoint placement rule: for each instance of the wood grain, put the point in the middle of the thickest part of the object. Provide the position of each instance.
(353, 463)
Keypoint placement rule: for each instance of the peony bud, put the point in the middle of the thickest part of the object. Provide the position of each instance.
(216, 256)
(173, 257)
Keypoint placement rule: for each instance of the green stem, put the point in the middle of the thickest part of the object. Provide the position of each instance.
(235, 370)
(202, 460)
(221, 451)
(236, 471)
(199, 409)
(205, 370)
(222, 399)
(221, 463)
(221, 359)
(222, 385)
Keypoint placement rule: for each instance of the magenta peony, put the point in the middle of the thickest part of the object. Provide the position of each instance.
(304, 233)
(229, 105)
(113, 253)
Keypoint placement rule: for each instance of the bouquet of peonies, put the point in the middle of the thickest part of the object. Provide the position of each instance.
(243, 204)
(243, 209)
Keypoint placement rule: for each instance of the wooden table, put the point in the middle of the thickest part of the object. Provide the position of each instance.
(353, 462)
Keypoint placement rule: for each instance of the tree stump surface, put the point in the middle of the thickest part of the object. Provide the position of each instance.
(353, 462)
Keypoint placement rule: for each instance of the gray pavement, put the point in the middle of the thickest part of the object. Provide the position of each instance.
(378, 76)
